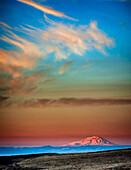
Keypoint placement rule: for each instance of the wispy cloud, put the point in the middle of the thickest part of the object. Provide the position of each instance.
(27, 47)
(15, 63)
(16, 60)
(63, 39)
(30, 82)
(46, 10)
(4, 24)
(65, 67)
(75, 40)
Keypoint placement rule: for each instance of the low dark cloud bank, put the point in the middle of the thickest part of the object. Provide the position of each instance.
(73, 102)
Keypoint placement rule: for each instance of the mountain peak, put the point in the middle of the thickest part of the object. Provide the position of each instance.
(93, 140)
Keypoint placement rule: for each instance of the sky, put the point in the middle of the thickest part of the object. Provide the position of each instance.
(65, 69)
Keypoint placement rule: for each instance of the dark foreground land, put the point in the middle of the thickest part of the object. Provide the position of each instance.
(119, 159)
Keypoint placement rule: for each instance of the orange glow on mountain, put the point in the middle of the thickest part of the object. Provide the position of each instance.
(93, 140)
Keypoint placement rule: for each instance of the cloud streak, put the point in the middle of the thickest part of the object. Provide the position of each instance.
(46, 10)
(5, 25)
(27, 47)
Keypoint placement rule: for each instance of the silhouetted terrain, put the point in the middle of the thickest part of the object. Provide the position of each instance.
(117, 159)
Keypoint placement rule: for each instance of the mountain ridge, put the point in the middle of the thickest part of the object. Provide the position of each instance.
(93, 140)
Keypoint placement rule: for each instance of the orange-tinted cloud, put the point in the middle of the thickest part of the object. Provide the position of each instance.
(22, 86)
(5, 25)
(46, 10)
(31, 83)
(12, 61)
(15, 62)
(27, 47)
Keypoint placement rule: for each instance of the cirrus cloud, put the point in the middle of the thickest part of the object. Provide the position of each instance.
(46, 10)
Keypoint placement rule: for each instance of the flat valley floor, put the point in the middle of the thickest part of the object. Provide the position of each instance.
(119, 159)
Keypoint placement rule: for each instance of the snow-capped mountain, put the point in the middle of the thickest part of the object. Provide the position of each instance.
(93, 140)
